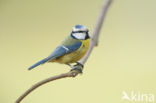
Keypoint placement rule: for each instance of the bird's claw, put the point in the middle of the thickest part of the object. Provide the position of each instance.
(77, 67)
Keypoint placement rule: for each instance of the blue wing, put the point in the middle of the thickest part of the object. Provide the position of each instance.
(64, 49)
(59, 51)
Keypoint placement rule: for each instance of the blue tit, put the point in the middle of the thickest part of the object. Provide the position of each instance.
(71, 50)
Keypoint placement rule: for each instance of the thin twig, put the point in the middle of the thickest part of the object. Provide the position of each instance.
(64, 75)
(93, 43)
(96, 30)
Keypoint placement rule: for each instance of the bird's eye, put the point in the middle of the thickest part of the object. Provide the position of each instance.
(80, 32)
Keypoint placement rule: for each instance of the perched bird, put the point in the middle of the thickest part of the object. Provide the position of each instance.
(71, 50)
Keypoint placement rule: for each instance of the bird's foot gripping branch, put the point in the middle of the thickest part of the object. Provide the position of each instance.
(78, 67)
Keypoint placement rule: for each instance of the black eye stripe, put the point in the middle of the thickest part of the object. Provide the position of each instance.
(79, 31)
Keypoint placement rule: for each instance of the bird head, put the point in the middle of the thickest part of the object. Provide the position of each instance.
(80, 32)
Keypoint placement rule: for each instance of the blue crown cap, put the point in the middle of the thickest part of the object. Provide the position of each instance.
(79, 26)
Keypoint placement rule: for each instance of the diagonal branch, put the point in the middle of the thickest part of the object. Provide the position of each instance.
(73, 73)
(96, 30)
(64, 75)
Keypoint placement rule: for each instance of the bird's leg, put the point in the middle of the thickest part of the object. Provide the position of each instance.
(79, 64)
(78, 67)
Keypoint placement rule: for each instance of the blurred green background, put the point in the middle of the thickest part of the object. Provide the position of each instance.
(125, 59)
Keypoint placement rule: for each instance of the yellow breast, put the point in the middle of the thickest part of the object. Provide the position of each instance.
(76, 55)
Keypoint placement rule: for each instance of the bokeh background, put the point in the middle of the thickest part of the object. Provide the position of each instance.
(125, 59)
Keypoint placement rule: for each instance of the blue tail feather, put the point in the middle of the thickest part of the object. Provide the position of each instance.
(38, 63)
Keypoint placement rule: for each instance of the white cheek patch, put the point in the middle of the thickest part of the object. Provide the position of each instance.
(79, 35)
